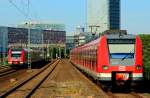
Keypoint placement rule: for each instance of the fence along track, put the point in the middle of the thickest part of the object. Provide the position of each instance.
(13, 89)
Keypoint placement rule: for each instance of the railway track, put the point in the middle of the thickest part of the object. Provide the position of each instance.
(31, 83)
(137, 95)
(3, 68)
(66, 82)
(124, 95)
(7, 70)
(93, 82)
(109, 92)
(121, 93)
(34, 86)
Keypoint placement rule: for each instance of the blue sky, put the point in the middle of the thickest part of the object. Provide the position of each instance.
(135, 14)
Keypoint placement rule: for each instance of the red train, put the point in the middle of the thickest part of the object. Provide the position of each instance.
(111, 59)
(19, 56)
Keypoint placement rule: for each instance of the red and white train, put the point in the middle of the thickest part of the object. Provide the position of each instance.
(111, 58)
(19, 56)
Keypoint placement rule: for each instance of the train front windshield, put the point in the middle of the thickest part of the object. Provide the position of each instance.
(122, 52)
(16, 54)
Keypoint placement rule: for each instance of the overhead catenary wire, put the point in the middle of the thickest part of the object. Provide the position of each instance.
(24, 5)
(28, 18)
(34, 11)
(21, 11)
(26, 9)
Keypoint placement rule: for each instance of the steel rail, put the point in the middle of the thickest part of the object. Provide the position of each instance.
(6, 72)
(96, 83)
(3, 69)
(136, 95)
(29, 94)
(11, 90)
(108, 92)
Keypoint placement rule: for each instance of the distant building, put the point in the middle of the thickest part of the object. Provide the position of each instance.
(79, 37)
(79, 29)
(3, 43)
(42, 40)
(82, 38)
(76, 40)
(54, 37)
(103, 15)
(69, 44)
(119, 32)
(18, 37)
(43, 26)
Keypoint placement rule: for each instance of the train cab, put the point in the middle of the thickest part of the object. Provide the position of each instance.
(111, 57)
(15, 56)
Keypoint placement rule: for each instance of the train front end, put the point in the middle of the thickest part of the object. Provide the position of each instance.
(15, 56)
(121, 61)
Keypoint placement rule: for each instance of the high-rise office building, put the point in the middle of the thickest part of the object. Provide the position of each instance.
(103, 15)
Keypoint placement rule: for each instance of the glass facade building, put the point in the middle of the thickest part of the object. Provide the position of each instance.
(114, 14)
(54, 37)
(103, 15)
(44, 26)
(18, 37)
(3, 44)
(40, 40)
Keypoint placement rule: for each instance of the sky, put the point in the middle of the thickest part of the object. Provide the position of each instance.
(135, 14)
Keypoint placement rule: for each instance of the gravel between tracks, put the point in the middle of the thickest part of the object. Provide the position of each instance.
(24, 89)
(67, 82)
(12, 79)
(6, 83)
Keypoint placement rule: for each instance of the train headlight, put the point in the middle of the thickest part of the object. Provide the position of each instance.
(105, 67)
(138, 67)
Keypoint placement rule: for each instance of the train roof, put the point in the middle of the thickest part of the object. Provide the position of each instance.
(129, 37)
(16, 49)
(118, 36)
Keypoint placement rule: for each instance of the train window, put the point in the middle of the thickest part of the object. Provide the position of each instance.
(121, 50)
(121, 41)
(16, 55)
(121, 54)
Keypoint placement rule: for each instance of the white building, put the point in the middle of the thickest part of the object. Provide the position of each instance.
(43, 25)
(103, 15)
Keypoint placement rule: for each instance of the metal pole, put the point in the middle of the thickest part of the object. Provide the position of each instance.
(51, 53)
(3, 48)
(48, 51)
(42, 45)
(59, 52)
(29, 37)
(65, 51)
(29, 56)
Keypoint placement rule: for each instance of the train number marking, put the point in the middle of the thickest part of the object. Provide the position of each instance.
(122, 68)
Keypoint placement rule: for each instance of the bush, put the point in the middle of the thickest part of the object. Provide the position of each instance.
(146, 53)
